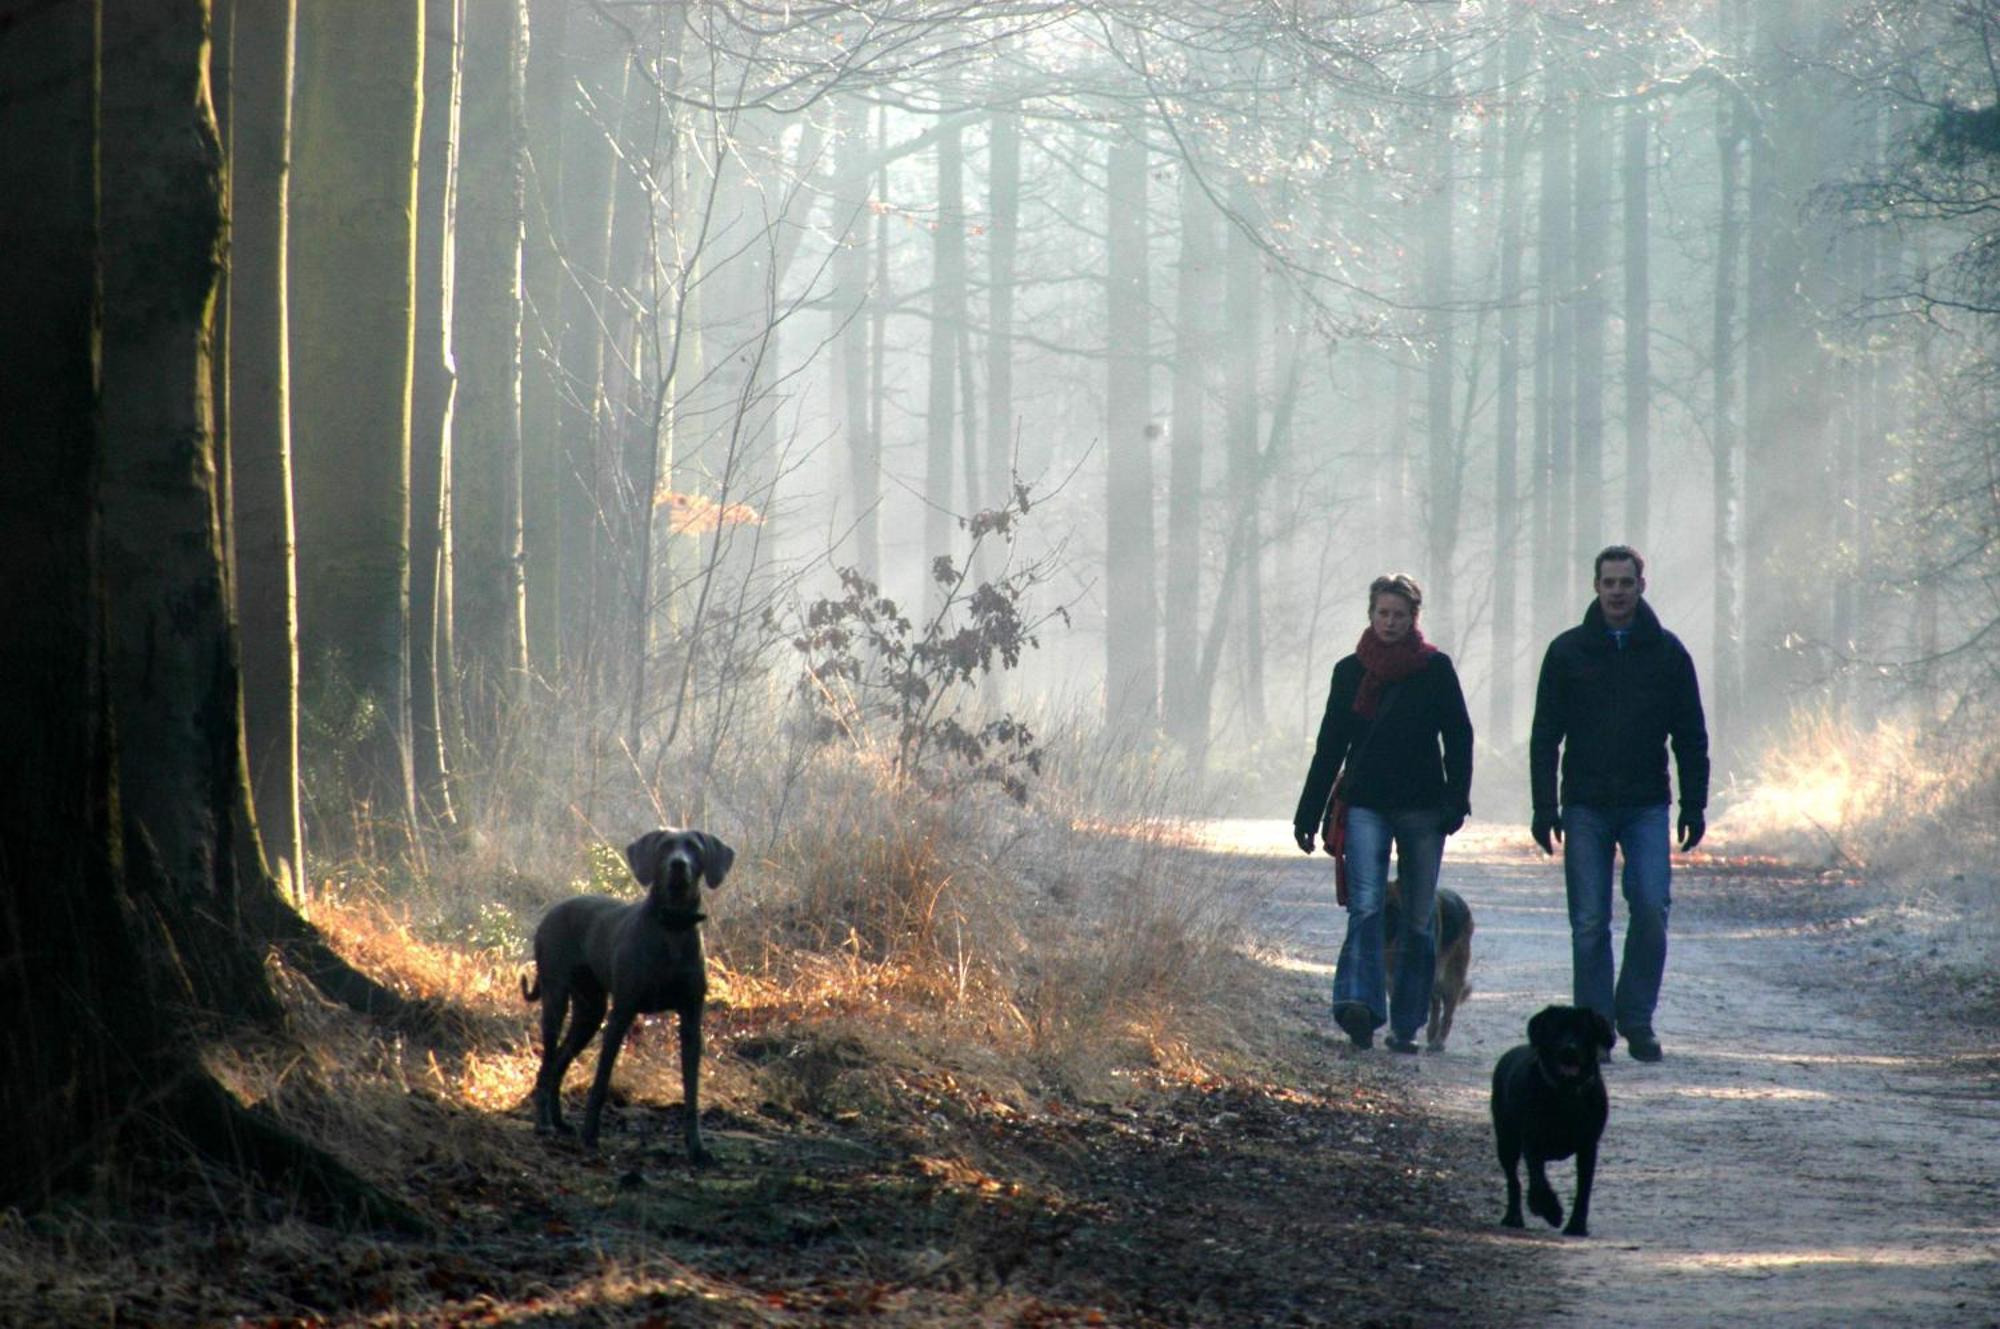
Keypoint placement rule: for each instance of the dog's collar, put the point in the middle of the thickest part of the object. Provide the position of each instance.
(676, 920)
(1553, 1082)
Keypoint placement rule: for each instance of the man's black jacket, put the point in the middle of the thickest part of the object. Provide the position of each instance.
(1612, 711)
(1400, 768)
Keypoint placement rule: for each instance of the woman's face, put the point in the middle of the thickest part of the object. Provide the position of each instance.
(1392, 618)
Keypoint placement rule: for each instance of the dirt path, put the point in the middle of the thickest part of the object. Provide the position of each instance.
(1815, 1150)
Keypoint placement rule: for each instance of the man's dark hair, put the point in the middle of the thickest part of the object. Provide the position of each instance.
(1618, 554)
(1397, 583)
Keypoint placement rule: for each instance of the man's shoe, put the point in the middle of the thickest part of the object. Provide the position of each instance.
(1643, 1047)
(1356, 1021)
(1406, 1045)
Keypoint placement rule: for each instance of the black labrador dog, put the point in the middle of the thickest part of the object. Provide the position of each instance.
(638, 958)
(1548, 1103)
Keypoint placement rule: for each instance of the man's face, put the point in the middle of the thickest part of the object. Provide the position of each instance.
(1391, 618)
(1619, 587)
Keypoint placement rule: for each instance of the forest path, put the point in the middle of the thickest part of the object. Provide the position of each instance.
(1815, 1149)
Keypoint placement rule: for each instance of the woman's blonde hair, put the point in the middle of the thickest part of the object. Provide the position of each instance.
(1397, 583)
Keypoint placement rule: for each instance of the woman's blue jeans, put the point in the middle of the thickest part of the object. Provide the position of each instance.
(1590, 835)
(1360, 976)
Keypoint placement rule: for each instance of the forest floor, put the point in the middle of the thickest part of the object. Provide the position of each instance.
(1821, 1146)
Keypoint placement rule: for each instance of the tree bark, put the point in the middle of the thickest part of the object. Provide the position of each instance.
(489, 583)
(353, 213)
(260, 445)
(432, 391)
(1131, 611)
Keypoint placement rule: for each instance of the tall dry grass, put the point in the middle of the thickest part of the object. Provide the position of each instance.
(1913, 806)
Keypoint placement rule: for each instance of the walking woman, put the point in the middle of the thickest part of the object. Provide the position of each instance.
(1397, 735)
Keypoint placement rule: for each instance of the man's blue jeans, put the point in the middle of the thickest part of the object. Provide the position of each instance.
(1590, 834)
(1360, 975)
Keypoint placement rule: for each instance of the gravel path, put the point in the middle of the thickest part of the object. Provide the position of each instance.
(1814, 1150)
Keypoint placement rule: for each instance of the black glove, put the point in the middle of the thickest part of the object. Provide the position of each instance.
(1305, 839)
(1692, 828)
(1454, 818)
(1547, 830)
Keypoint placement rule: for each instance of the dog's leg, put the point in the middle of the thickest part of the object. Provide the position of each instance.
(615, 1030)
(586, 1012)
(1542, 1201)
(1510, 1159)
(1434, 1031)
(1586, 1172)
(691, 1083)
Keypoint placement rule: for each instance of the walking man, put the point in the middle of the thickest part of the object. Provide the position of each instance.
(1614, 692)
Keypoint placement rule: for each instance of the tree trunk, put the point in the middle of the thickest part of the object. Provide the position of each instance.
(1638, 330)
(353, 213)
(546, 93)
(1131, 611)
(1592, 249)
(946, 303)
(1555, 578)
(1003, 238)
(1242, 280)
(1507, 421)
(1185, 706)
(1731, 128)
(600, 65)
(433, 385)
(260, 446)
(120, 664)
(489, 589)
(1442, 481)
(850, 332)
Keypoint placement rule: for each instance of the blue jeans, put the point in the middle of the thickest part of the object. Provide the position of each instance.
(1590, 834)
(1360, 975)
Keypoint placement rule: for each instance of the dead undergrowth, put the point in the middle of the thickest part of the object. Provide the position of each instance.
(1127, 1123)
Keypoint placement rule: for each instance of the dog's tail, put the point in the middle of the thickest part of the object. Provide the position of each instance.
(531, 992)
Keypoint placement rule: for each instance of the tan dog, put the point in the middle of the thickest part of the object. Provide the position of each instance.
(1451, 929)
(639, 958)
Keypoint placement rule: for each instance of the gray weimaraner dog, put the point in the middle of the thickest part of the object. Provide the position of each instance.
(642, 957)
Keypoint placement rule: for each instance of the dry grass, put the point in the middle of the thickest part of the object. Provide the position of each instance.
(1914, 808)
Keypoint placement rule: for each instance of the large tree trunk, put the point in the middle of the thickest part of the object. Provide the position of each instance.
(1003, 237)
(1185, 705)
(352, 270)
(489, 585)
(260, 448)
(122, 855)
(1443, 477)
(1638, 330)
(1592, 250)
(432, 389)
(1132, 610)
(1725, 669)
(1507, 422)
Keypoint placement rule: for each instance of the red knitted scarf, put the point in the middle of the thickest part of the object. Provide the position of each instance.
(1384, 664)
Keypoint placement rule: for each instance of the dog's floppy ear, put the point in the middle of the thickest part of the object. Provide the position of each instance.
(1601, 1032)
(1542, 1029)
(644, 855)
(716, 858)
